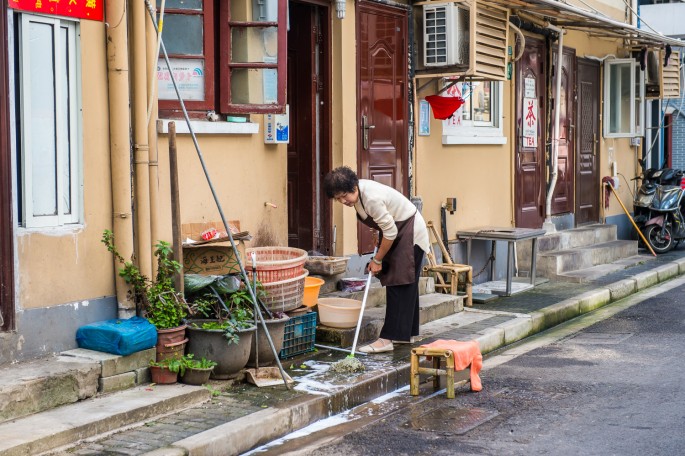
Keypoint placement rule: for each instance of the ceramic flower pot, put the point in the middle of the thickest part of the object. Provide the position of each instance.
(171, 343)
(276, 330)
(162, 375)
(195, 376)
(212, 344)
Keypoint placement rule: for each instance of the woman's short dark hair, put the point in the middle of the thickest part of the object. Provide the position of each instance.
(340, 180)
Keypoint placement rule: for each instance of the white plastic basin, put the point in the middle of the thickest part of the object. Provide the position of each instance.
(339, 312)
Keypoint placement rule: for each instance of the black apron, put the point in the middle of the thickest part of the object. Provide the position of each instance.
(398, 263)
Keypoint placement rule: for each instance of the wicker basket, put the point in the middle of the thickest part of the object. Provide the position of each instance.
(326, 265)
(285, 295)
(275, 264)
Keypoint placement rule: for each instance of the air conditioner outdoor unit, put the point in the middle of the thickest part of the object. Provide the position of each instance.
(445, 35)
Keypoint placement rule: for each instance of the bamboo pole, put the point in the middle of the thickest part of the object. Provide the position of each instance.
(631, 218)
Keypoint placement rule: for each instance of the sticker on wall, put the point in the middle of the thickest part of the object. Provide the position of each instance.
(424, 118)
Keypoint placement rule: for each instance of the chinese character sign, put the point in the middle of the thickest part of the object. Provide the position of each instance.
(530, 122)
(82, 9)
(455, 120)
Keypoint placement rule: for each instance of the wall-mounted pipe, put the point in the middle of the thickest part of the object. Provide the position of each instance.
(548, 226)
(120, 141)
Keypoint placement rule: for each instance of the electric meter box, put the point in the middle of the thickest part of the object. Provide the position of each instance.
(277, 127)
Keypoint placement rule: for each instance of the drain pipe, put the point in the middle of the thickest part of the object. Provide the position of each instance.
(120, 143)
(548, 226)
(151, 77)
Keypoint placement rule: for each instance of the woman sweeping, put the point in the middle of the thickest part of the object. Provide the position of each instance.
(403, 241)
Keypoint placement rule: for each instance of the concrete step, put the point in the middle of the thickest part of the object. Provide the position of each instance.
(567, 240)
(376, 296)
(595, 272)
(551, 264)
(43, 384)
(68, 424)
(432, 307)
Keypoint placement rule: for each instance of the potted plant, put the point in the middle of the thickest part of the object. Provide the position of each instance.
(166, 371)
(224, 335)
(156, 300)
(197, 371)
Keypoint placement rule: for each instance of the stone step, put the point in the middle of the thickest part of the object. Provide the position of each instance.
(432, 306)
(551, 264)
(566, 240)
(595, 272)
(68, 424)
(74, 375)
(376, 296)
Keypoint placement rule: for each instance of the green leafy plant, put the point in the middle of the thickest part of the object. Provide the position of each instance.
(156, 300)
(201, 363)
(236, 321)
(177, 365)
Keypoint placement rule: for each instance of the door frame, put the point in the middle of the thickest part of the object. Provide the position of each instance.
(6, 223)
(325, 126)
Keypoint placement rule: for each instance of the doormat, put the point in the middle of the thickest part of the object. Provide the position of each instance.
(451, 420)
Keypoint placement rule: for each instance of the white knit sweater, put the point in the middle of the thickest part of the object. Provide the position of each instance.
(385, 205)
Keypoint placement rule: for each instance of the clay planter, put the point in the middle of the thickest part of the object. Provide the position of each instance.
(266, 356)
(163, 376)
(211, 344)
(171, 343)
(193, 376)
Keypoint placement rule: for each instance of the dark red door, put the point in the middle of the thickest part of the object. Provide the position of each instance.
(587, 126)
(6, 236)
(530, 183)
(562, 198)
(383, 99)
(309, 220)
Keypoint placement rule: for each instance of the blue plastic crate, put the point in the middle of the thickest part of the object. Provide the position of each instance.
(299, 336)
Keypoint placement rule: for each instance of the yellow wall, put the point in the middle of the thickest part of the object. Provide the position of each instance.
(245, 172)
(58, 266)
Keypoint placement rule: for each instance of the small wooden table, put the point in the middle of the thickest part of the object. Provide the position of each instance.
(509, 235)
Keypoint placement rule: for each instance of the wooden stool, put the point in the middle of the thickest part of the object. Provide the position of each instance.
(453, 270)
(436, 371)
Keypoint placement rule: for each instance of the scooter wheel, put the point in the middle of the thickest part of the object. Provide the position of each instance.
(660, 240)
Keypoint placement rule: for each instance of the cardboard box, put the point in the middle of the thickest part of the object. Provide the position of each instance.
(213, 257)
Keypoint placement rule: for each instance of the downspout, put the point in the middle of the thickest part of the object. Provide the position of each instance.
(120, 142)
(548, 226)
(141, 156)
(151, 77)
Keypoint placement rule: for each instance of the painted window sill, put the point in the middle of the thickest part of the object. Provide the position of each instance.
(475, 140)
(203, 127)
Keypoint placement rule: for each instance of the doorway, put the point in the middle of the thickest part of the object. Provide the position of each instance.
(382, 100)
(587, 121)
(530, 184)
(309, 149)
(562, 197)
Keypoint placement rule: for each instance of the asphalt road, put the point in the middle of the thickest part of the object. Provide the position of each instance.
(615, 387)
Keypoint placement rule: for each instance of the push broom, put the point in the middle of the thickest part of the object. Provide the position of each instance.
(350, 363)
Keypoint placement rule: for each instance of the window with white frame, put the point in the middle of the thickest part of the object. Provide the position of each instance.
(624, 95)
(48, 121)
(479, 119)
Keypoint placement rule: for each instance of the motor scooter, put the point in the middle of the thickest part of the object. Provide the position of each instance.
(644, 194)
(666, 228)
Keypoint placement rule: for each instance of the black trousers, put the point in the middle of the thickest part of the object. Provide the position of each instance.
(402, 308)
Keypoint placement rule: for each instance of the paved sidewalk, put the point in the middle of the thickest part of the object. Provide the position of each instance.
(241, 417)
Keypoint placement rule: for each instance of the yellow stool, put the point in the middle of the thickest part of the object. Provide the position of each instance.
(437, 354)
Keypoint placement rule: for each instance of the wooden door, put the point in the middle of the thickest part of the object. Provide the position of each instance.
(529, 187)
(562, 198)
(6, 234)
(383, 100)
(309, 219)
(587, 126)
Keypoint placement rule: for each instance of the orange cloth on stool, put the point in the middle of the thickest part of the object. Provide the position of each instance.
(464, 353)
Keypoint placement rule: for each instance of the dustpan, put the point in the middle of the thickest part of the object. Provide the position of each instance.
(266, 376)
